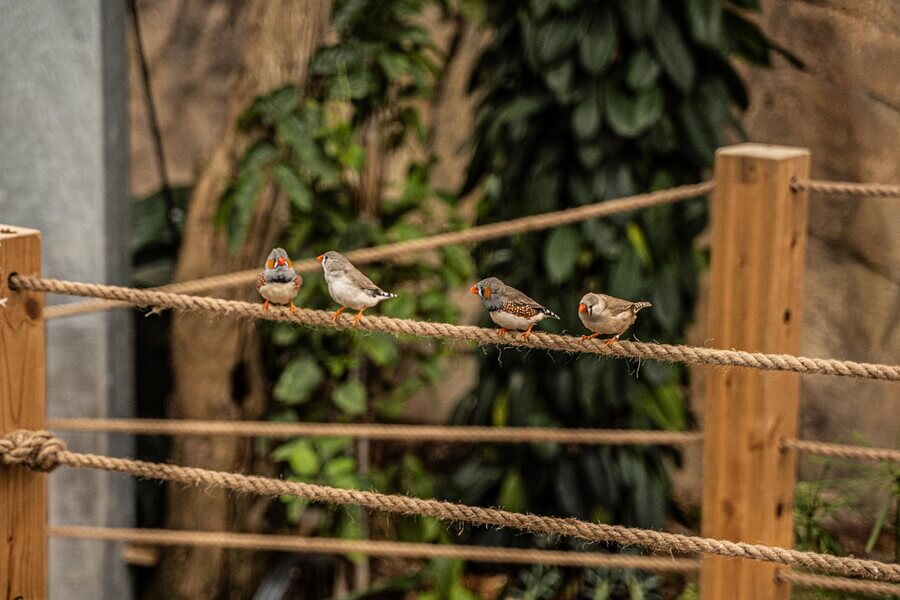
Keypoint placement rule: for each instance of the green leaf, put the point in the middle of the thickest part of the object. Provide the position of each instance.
(642, 70)
(300, 455)
(340, 466)
(639, 16)
(313, 160)
(667, 309)
(638, 241)
(587, 115)
(458, 264)
(512, 495)
(595, 48)
(237, 206)
(590, 155)
(380, 347)
(673, 53)
(554, 40)
(559, 80)
(350, 397)
(296, 189)
(705, 20)
(630, 116)
(561, 253)
(299, 379)
(285, 334)
(394, 64)
(270, 108)
(352, 86)
(879, 524)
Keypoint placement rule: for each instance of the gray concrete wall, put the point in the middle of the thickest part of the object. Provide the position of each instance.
(64, 170)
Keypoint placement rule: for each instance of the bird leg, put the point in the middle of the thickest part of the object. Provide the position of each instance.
(358, 317)
(589, 337)
(527, 333)
(610, 341)
(266, 305)
(337, 313)
(292, 307)
(502, 331)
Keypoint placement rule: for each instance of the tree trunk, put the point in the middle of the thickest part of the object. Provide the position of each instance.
(216, 364)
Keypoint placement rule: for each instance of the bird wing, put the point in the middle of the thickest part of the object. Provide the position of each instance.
(298, 281)
(616, 306)
(361, 281)
(260, 281)
(521, 305)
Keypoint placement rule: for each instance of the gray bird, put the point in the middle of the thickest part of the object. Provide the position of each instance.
(279, 282)
(605, 314)
(349, 287)
(509, 308)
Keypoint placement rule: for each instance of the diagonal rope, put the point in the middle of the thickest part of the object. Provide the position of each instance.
(846, 188)
(479, 233)
(840, 584)
(480, 335)
(842, 450)
(382, 548)
(385, 432)
(40, 450)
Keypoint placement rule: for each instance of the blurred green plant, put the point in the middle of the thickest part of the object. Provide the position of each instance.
(584, 101)
(314, 149)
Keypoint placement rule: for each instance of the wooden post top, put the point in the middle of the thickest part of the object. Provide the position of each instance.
(762, 151)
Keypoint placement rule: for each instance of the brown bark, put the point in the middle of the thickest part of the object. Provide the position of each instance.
(216, 365)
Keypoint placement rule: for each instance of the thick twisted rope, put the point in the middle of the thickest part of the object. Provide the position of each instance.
(839, 584)
(449, 511)
(37, 450)
(845, 188)
(480, 233)
(387, 549)
(843, 451)
(480, 335)
(372, 431)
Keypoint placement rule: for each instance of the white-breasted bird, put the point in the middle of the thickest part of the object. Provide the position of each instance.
(348, 286)
(509, 308)
(604, 314)
(278, 283)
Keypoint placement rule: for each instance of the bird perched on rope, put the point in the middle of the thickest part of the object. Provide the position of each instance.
(605, 314)
(278, 283)
(509, 308)
(349, 287)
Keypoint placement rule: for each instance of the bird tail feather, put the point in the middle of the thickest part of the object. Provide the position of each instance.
(549, 313)
(639, 305)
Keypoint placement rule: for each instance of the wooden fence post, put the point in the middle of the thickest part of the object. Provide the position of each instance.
(23, 503)
(758, 251)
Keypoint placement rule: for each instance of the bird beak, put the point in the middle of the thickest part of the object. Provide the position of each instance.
(320, 257)
(582, 308)
(281, 261)
(474, 289)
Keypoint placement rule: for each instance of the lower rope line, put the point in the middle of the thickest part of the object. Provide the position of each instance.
(839, 584)
(480, 335)
(386, 432)
(381, 548)
(842, 451)
(479, 233)
(40, 450)
(846, 188)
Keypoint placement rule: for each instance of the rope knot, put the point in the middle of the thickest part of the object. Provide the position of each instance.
(37, 450)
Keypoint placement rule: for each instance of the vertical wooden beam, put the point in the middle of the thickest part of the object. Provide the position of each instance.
(23, 512)
(758, 251)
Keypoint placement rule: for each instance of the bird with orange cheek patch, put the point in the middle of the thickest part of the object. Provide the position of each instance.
(604, 314)
(509, 308)
(279, 282)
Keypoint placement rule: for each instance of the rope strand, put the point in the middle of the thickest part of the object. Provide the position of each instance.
(479, 233)
(845, 188)
(17, 446)
(842, 451)
(382, 548)
(392, 432)
(839, 584)
(480, 335)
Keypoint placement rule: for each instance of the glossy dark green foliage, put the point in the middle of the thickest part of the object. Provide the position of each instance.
(637, 97)
(309, 147)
